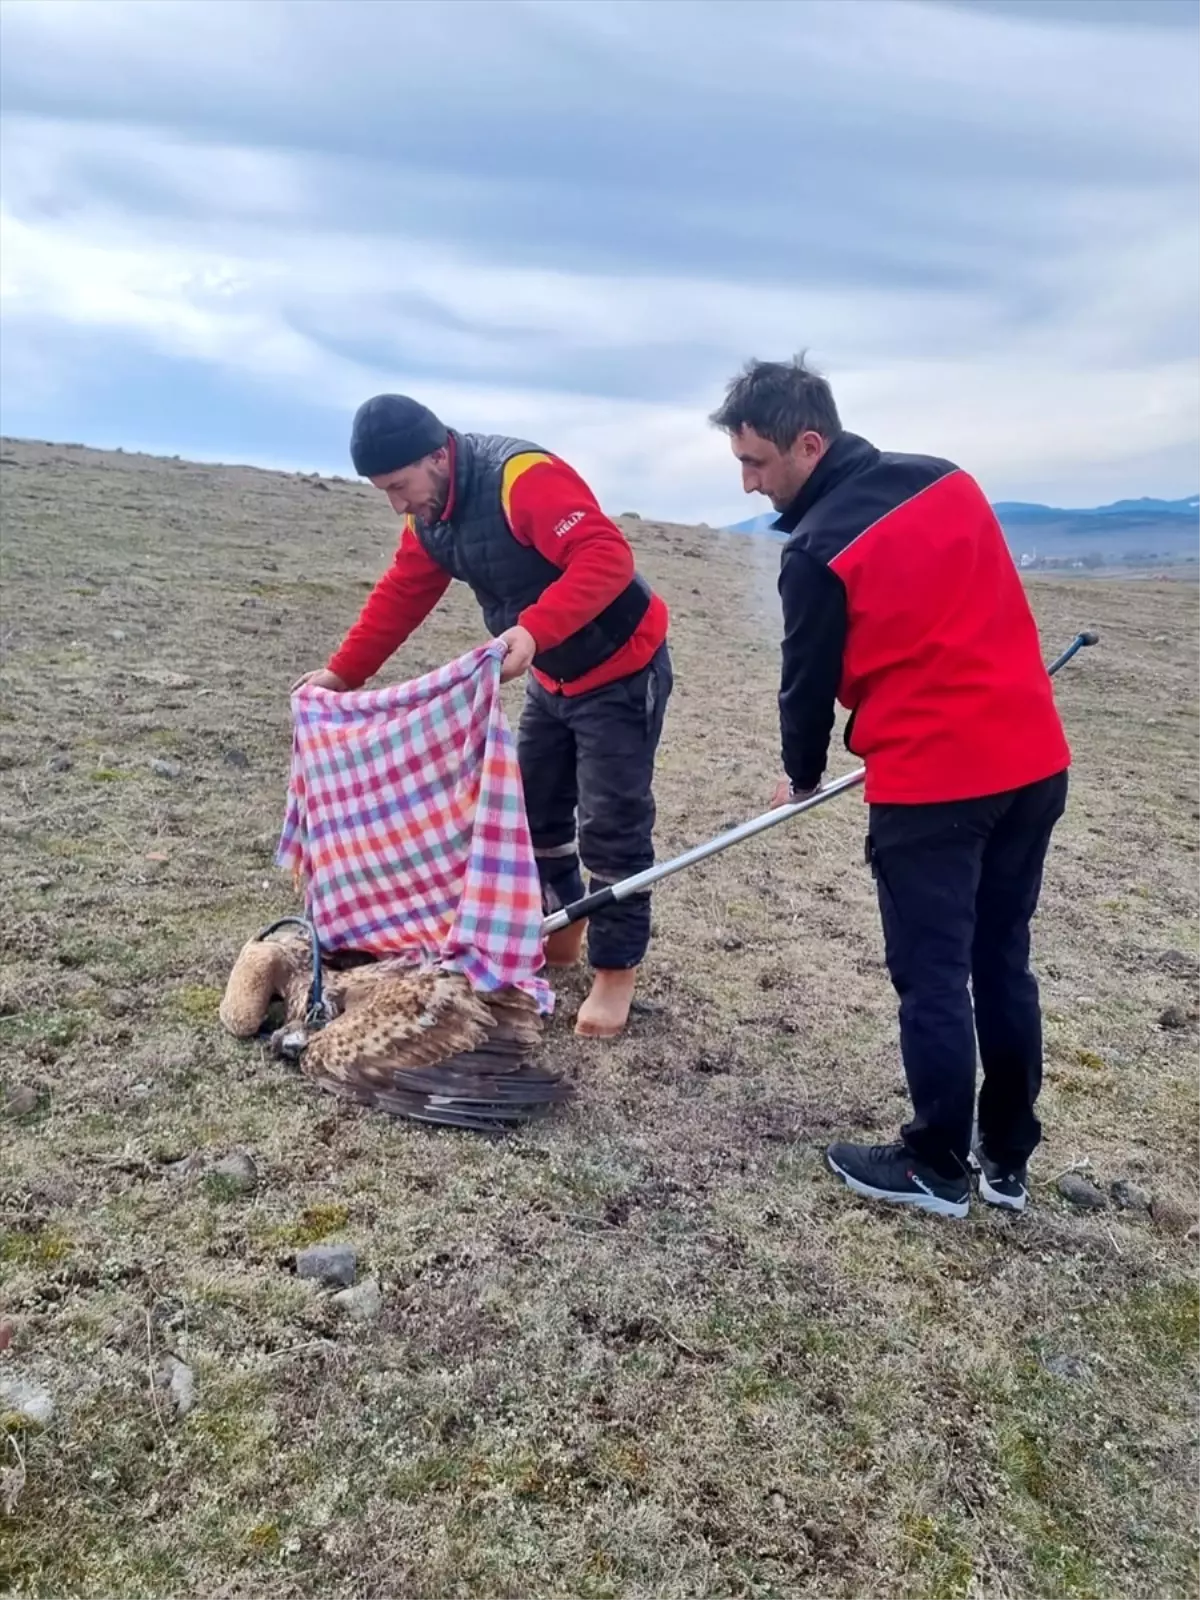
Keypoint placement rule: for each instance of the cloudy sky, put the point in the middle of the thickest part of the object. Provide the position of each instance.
(226, 222)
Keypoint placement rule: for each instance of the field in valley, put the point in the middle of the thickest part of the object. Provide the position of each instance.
(647, 1348)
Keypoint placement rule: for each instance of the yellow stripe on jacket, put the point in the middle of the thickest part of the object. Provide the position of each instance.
(516, 468)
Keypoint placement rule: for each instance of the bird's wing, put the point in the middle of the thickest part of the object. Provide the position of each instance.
(423, 1045)
(515, 1020)
(404, 1020)
(472, 1090)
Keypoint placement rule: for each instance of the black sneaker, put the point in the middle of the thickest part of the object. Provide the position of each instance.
(889, 1172)
(1001, 1186)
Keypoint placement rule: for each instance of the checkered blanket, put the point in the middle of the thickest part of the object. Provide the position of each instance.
(406, 821)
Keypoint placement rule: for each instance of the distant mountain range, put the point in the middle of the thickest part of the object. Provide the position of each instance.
(1125, 532)
(1024, 512)
(763, 524)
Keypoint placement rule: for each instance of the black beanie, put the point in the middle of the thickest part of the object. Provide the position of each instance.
(391, 431)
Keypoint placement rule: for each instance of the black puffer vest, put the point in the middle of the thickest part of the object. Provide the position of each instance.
(477, 546)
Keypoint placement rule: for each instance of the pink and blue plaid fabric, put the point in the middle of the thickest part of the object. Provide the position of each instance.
(406, 818)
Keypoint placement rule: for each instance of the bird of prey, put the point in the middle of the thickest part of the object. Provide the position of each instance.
(411, 1040)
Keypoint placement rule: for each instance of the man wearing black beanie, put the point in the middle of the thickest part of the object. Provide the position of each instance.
(556, 582)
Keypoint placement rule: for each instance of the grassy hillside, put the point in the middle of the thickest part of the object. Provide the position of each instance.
(649, 1348)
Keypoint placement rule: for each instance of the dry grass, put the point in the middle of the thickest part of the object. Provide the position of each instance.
(648, 1348)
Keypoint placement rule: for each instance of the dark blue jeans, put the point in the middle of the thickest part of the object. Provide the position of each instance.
(587, 768)
(958, 885)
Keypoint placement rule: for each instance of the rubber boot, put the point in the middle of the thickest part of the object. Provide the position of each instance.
(605, 1012)
(565, 945)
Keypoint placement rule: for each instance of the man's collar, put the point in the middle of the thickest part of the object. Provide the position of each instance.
(847, 453)
(448, 508)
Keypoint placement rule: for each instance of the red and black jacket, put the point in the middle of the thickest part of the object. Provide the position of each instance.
(902, 601)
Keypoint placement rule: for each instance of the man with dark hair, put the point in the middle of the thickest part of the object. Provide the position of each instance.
(556, 582)
(901, 600)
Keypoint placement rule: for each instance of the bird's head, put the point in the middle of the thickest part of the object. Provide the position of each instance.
(261, 974)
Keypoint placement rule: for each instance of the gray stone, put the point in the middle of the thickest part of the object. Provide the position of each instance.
(1067, 1367)
(1080, 1192)
(59, 764)
(239, 1172)
(165, 769)
(27, 1399)
(330, 1263)
(1178, 963)
(117, 635)
(20, 1101)
(180, 1382)
(236, 758)
(362, 1303)
(1129, 1196)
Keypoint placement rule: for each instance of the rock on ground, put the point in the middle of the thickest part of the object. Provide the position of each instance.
(1067, 1367)
(26, 1399)
(1080, 1192)
(178, 1378)
(331, 1263)
(239, 1172)
(363, 1303)
(20, 1101)
(1129, 1196)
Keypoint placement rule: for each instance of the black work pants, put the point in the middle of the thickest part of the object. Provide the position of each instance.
(587, 768)
(958, 885)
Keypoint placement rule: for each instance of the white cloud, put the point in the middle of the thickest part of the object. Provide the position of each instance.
(965, 66)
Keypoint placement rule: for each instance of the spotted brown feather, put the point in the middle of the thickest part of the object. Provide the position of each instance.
(407, 1040)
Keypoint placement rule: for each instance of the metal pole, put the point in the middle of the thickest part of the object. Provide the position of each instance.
(744, 830)
(1079, 642)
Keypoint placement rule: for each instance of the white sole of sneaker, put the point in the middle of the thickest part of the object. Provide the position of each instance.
(925, 1201)
(994, 1197)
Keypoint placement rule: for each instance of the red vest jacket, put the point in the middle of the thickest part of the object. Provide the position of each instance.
(901, 598)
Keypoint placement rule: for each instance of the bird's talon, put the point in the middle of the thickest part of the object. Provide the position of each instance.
(289, 1043)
